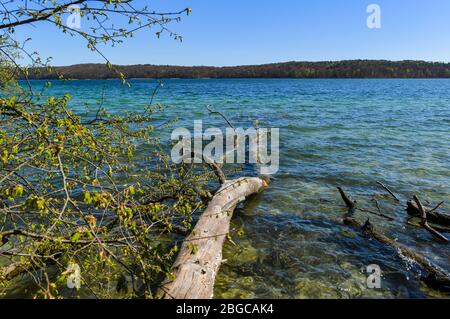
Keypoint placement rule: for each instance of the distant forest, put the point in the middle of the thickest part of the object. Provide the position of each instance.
(339, 69)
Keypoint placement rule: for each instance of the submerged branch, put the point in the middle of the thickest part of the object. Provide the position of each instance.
(350, 203)
(432, 216)
(424, 222)
(388, 190)
(437, 277)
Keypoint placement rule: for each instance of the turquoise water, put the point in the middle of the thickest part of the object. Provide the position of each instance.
(348, 133)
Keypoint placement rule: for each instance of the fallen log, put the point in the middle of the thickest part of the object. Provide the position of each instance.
(437, 277)
(194, 270)
(432, 216)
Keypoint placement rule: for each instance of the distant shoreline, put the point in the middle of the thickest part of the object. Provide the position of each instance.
(349, 69)
(254, 78)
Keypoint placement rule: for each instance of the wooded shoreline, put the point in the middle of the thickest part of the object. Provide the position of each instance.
(326, 69)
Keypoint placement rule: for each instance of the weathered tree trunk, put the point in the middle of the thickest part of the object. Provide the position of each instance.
(195, 268)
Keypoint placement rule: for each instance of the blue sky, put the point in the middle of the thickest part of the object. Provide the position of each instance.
(236, 32)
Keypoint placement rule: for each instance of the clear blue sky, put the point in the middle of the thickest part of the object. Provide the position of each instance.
(235, 32)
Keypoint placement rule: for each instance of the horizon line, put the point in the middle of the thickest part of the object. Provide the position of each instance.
(260, 64)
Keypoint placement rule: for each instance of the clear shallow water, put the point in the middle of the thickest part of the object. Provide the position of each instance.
(348, 133)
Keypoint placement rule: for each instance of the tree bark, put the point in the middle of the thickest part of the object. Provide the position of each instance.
(195, 268)
(432, 216)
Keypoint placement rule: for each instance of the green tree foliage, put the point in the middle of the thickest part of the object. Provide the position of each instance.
(94, 191)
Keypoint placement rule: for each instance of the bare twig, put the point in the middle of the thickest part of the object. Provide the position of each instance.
(208, 107)
(213, 165)
(436, 207)
(350, 203)
(388, 190)
(376, 213)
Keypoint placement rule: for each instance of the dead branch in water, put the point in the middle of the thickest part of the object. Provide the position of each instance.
(424, 222)
(437, 277)
(388, 190)
(208, 107)
(437, 227)
(376, 213)
(436, 207)
(350, 203)
(432, 215)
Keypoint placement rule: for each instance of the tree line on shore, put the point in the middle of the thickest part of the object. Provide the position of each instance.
(326, 69)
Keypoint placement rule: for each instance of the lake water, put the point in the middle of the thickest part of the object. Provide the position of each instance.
(348, 133)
